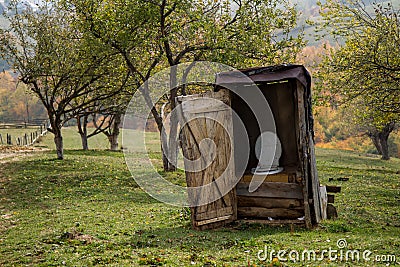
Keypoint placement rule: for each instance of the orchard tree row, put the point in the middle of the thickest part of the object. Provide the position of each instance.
(85, 57)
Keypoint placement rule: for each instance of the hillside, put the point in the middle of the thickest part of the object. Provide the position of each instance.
(310, 11)
(16, 102)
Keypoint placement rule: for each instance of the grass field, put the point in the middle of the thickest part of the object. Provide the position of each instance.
(72, 140)
(87, 210)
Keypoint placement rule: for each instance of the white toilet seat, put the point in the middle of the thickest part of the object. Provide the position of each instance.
(267, 146)
(266, 172)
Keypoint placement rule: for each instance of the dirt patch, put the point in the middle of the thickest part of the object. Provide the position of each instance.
(10, 149)
(9, 153)
(74, 235)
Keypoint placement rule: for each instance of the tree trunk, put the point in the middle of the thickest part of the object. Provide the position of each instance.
(58, 140)
(375, 140)
(84, 141)
(113, 139)
(160, 126)
(173, 131)
(145, 92)
(163, 139)
(380, 139)
(113, 136)
(173, 144)
(164, 149)
(82, 129)
(55, 128)
(383, 139)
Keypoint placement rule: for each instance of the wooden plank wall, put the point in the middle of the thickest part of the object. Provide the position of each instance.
(272, 200)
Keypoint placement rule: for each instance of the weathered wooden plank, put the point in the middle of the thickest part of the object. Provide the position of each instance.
(301, 135)
(246, 201)
(213, 220)
(222, 95)
(273, 222)
(272, 190)
(213, 213)
(257, 212)
(317, 198)
(333, 189)
(324, 202)
(279, 177)
(200, 105)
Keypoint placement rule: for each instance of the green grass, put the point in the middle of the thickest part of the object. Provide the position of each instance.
(72, 140)
(87, 210)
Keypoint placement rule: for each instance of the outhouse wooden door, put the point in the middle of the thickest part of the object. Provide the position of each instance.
(207, 144)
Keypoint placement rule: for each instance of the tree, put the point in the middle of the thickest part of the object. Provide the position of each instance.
(363, 73)
(377, 125)
(380, 136)
(55, 61)
(105, 116)
(105, 113)
(367, 65)
(127, 28)
(108, 124)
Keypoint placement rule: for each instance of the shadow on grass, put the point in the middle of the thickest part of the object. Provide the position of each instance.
(90, 152)
(184, 238)
(94, 152)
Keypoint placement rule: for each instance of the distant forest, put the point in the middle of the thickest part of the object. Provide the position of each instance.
(16, 102)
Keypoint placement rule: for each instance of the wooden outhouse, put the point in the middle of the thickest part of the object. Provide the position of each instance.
(212, 140)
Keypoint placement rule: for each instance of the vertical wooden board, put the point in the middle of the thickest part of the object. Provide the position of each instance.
(199, 128)
(317, 201)
(302, 150)
(308, 160)
(324, 202)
